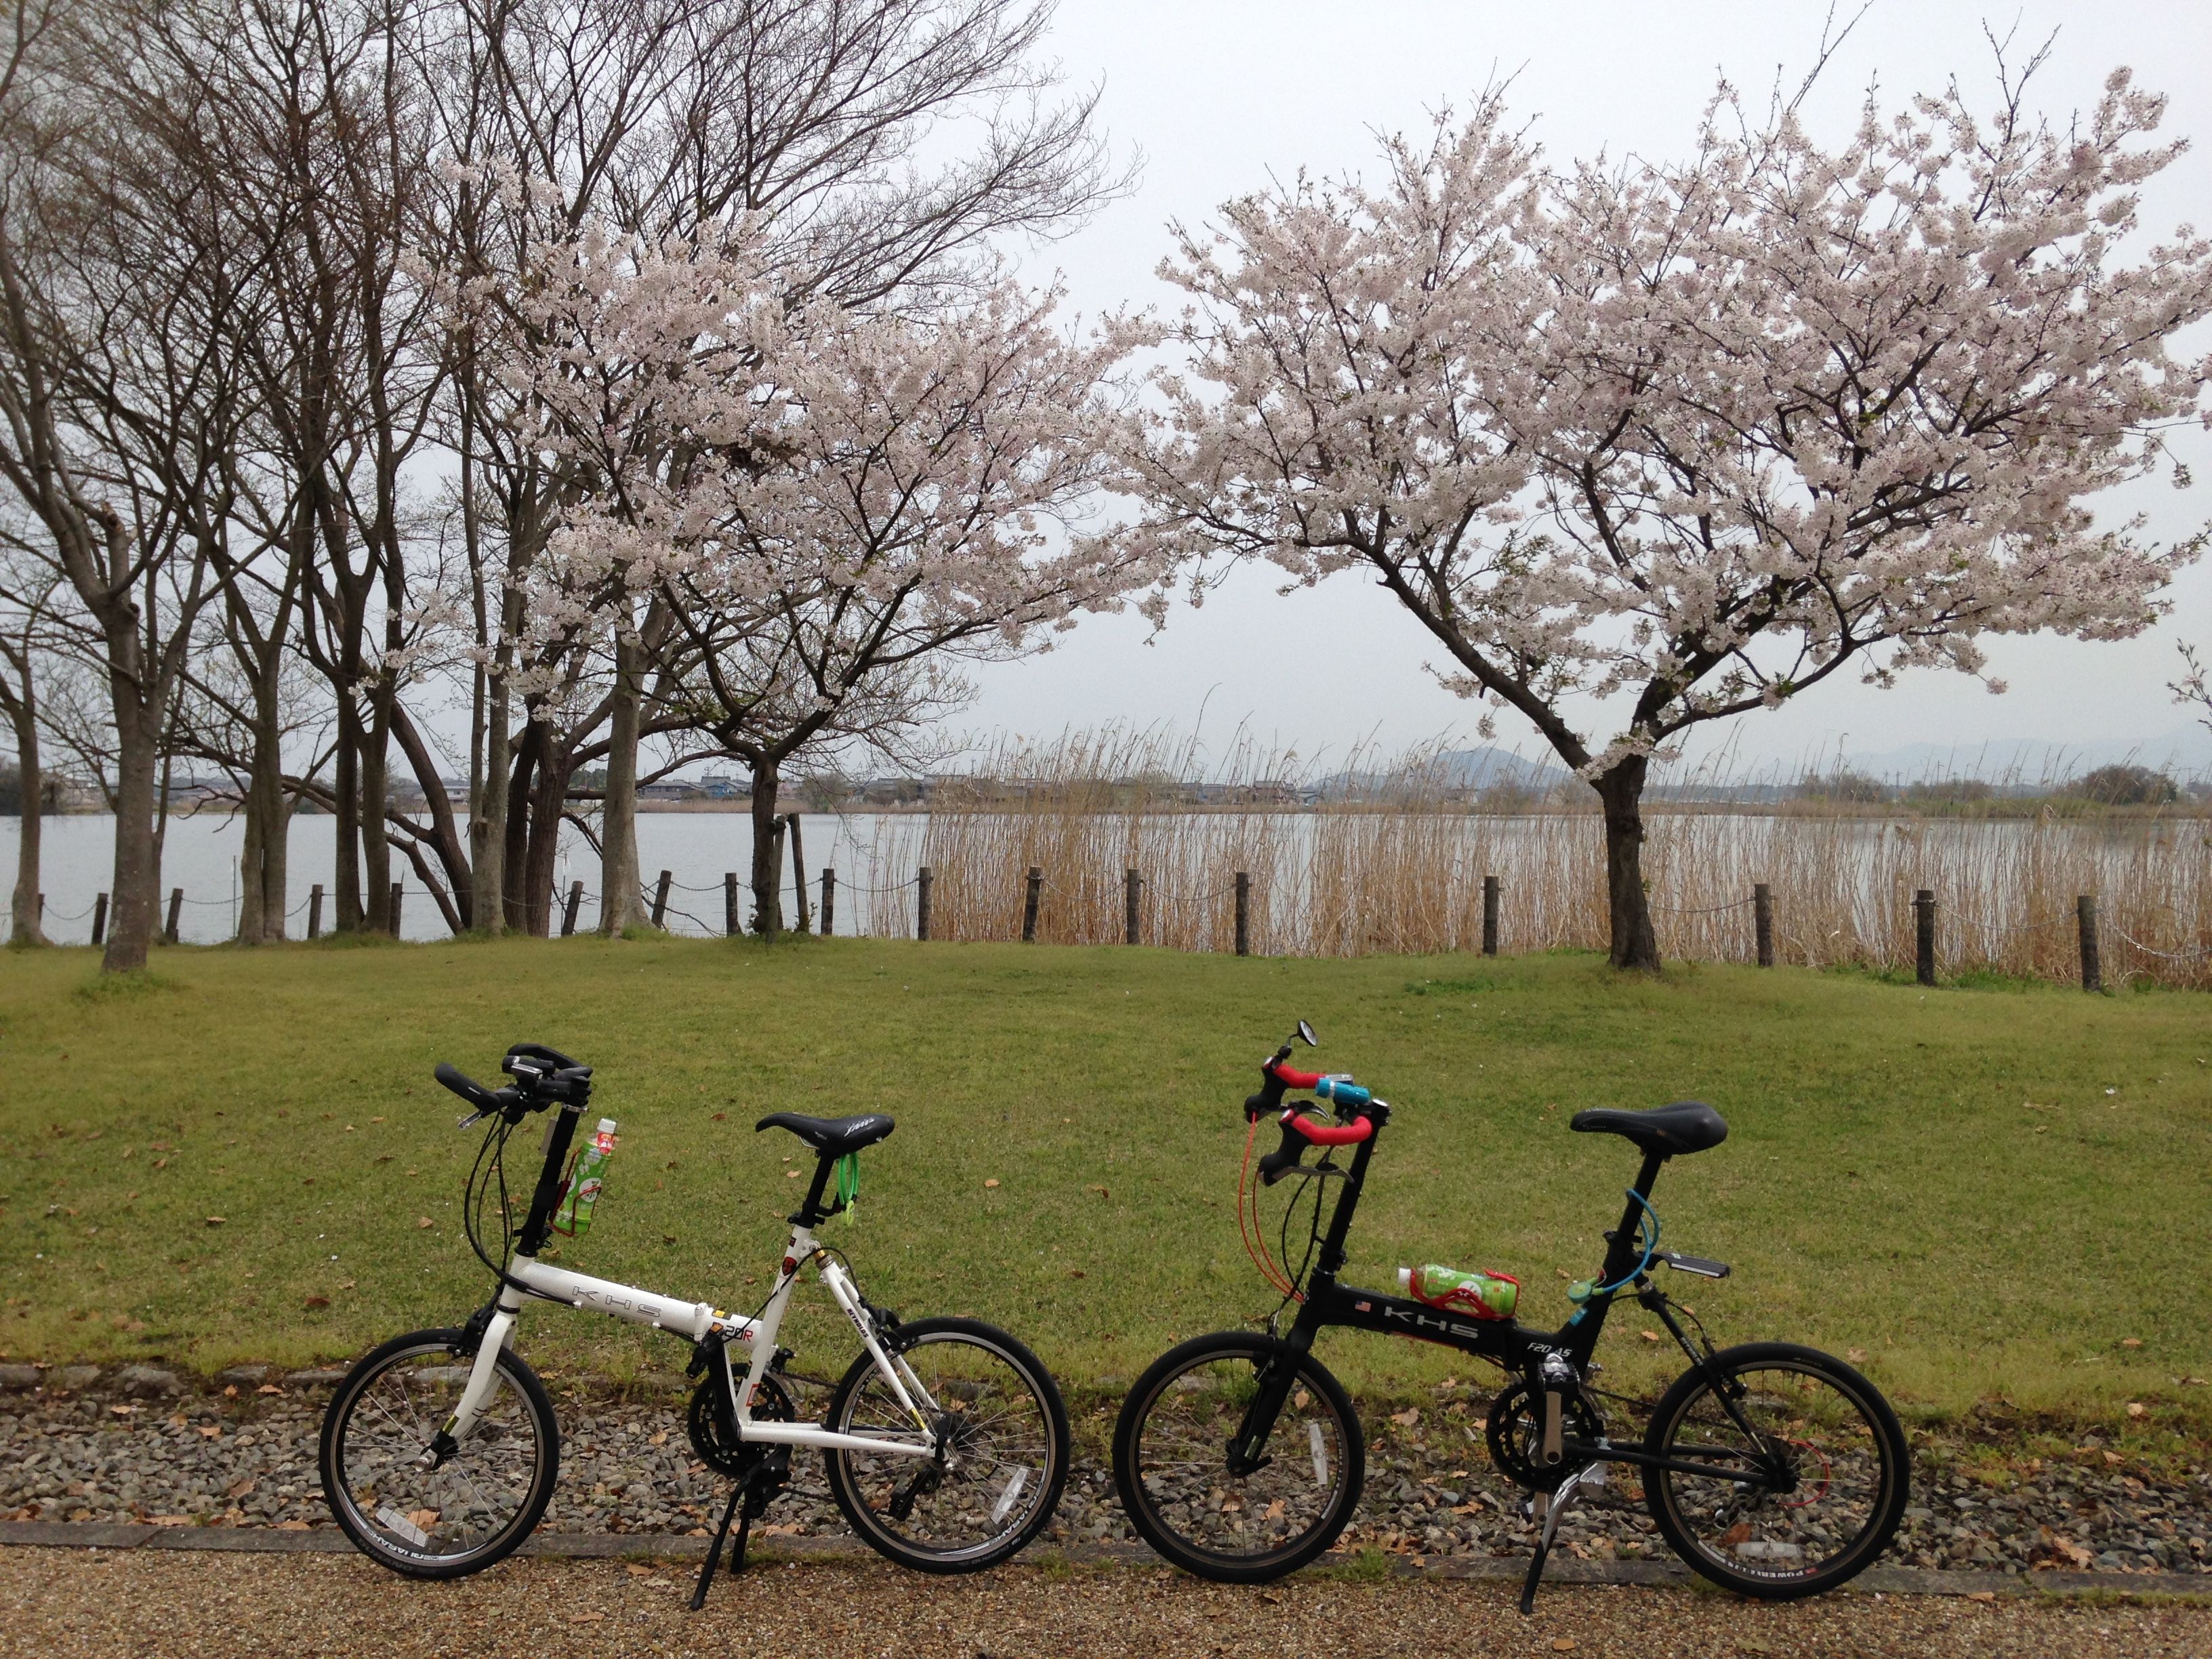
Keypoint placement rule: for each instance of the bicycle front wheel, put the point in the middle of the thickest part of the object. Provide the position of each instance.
(1002, 1446)
(404, 1508)
(1171, 1465)
(1808, 1470)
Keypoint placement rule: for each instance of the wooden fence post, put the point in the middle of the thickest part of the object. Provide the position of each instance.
(730, 928)
(1923, 905)
(661, 896)
(1489, 896)
(569, 912)
(176, 908)
(1132, 885)
(799, 873)
(1243, 913)
(100, 920)
(1762, 921)
(829, 901)
(315, 911)
(2092, 965)
(921, 881)
(399, 891)
(1032, 889)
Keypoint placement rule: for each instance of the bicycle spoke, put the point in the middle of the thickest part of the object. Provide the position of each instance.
(1798, 1475)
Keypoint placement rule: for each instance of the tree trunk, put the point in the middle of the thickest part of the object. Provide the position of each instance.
(514, 860)
(345, 879)
(487, 817)
(548, 795)
(137, 879)
(24, 927)
(375, 796)
(262, 863)
(767, 871)
(1629, 906)
(619, 905)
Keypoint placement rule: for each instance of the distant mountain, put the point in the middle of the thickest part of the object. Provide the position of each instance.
(1490, 766)
(2184, 751)
(1475, 769)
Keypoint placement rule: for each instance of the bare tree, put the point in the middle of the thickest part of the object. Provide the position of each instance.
(119, 286)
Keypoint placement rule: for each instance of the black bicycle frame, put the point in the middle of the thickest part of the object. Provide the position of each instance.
(1506, 1342)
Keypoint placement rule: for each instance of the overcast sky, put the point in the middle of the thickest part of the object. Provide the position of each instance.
(1216, 94)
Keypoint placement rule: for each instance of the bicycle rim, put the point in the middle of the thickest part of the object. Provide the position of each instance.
(1003, 1457)
(1171, 1466)
(1815, 1430)
(471, 1509)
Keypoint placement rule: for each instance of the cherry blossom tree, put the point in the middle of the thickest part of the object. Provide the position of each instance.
(803, 518)
(1665, 444)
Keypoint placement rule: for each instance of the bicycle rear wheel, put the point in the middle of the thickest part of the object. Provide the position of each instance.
(1171, 1466)
(1002, 1446)
(477, 1502)
(1809, 1470)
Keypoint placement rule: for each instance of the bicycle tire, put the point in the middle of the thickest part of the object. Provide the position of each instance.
(870, 1496)
(1164, 1494)
(353, 1468)
(1770, 1542)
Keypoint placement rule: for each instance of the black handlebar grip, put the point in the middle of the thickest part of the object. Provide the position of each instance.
(466, 1087)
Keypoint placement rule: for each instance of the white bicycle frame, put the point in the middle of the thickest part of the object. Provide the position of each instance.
(701, 1321)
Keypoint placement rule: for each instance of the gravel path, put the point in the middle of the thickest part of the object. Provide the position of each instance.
(134, 1446)
(90, 1604)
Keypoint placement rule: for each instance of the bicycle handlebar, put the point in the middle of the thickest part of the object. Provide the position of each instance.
(484, 1099)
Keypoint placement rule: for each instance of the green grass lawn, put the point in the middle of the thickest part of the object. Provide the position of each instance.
(1991, 1191)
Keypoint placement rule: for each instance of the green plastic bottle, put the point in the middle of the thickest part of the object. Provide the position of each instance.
(1485, 1296)
(587, 1176)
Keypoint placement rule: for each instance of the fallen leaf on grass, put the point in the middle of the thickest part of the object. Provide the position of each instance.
(269, 1388)
(423, 1221)
(2131, 1342)
(217, 1220)
(2136, 1409)
(1075, 1272)
(993, 1182)
(1856, 1356)
(1563, 1644)
(1649, 1336)
(636, 1570)
(316, 1302)
(1407, 1418)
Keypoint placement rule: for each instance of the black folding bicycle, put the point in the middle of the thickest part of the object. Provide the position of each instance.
(1772, 1469)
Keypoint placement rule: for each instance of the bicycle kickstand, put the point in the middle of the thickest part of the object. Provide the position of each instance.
(1547, 1507)
(748, 1503)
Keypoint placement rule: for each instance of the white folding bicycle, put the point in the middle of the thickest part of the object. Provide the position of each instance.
(946, 1442)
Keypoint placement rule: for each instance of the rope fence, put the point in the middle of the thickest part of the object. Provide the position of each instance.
(1125, 905)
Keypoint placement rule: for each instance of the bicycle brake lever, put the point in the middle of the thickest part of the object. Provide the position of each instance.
(469, 1119)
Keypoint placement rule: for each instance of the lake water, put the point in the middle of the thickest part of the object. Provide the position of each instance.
(201, 856)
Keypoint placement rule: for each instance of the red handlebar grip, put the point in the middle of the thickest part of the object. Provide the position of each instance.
(1290, 1078)
(1330, 1135)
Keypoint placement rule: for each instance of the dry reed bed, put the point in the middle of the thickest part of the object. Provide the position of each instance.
(1398, 869)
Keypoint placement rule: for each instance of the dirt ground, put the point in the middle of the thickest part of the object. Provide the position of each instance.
(92, 1604)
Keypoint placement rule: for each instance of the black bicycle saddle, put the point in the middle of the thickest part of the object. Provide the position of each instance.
(1688, 1125)
(832, 1137)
